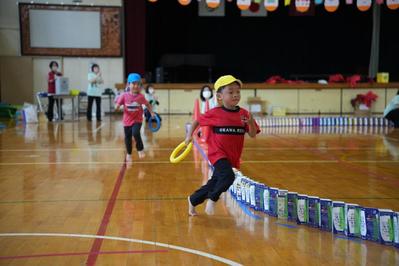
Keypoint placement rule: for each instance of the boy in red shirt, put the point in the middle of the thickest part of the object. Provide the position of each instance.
(228, 124)
(132, 101)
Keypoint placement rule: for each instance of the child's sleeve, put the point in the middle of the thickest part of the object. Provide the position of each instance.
(143, 100)
(207, 119)
(121, 99)
(256, 125)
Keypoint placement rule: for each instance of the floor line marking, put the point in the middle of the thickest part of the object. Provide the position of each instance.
(290, 226)
(131, 240)
(247, 211)
(96, 247)
(171, 149)
(90, 200)
(191, 162)
(347, 164)
(164, 199)
(65, 254)
(98, 128)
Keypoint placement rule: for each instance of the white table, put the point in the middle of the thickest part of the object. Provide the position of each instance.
(59, 97)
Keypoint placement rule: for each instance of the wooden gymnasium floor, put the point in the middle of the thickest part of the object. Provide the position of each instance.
(68, 199)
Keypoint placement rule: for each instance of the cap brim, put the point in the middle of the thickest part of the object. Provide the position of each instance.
(236, 80)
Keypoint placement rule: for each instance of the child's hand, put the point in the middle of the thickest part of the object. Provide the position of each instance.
(250, 118)
(152, 114)
(188, 140)
(247, 120)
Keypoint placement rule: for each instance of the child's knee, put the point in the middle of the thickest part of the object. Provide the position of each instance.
(228, 178)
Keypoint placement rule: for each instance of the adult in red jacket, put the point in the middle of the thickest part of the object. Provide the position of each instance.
(52, 75)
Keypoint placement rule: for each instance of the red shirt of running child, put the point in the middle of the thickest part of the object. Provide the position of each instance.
(133, 108)
(226, 134)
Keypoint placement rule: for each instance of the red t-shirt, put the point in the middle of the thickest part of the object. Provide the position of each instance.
(133, 109)
(226, 134)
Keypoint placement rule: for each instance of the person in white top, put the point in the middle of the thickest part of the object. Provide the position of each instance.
(94, 91)
(152, 98)
(206, 94)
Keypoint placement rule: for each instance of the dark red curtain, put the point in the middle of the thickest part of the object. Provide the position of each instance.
(134, 12)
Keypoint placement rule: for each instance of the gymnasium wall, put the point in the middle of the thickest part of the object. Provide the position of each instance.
(35, 69)
(255, 48)
(301, 101)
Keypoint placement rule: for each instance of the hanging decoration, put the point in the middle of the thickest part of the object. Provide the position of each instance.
(254, 7)
(393, 4)
(213, 3)
(302, 5)
(331, 5)
(271, 5)
(363, 5)
(184, 2)
(243, 4)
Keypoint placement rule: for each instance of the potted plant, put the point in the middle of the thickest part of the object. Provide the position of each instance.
(362, 103)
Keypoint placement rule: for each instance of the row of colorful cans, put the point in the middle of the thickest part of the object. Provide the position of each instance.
(325, 130)
(322, 121)
(352, 220)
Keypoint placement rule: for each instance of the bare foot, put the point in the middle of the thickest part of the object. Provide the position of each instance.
(191, 208)
(141, 154)
(210, 207)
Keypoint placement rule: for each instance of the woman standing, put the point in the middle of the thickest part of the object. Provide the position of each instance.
(94, 91)
(52, 75)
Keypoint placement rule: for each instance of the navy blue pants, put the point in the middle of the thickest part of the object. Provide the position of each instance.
(222, 178)
(133, 131)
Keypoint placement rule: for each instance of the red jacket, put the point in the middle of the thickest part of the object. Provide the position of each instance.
(51, 81)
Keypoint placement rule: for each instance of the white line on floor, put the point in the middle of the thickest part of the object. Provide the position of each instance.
(132, 240)
(190, 162)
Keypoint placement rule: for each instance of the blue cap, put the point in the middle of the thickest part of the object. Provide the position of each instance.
(133, 77)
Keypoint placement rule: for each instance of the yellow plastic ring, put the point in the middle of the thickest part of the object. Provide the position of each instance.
(179, 148)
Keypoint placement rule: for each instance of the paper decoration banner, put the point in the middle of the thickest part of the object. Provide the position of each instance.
(393, 4)
(213, 3)
(271, 5)
(302, 5)
(287, 2)
(363, 5)
(243, 4)
(249, 13)
(184, 2)
(205, 11)
(331, 5)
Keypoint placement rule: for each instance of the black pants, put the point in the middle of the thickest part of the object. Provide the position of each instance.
(394, 117)
(50, 108)
(90, 106)
(222, 178)
(135, 132)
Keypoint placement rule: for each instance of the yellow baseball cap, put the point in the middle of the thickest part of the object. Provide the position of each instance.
(226, 80)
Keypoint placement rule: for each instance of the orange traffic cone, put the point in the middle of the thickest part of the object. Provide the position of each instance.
(196, 113)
